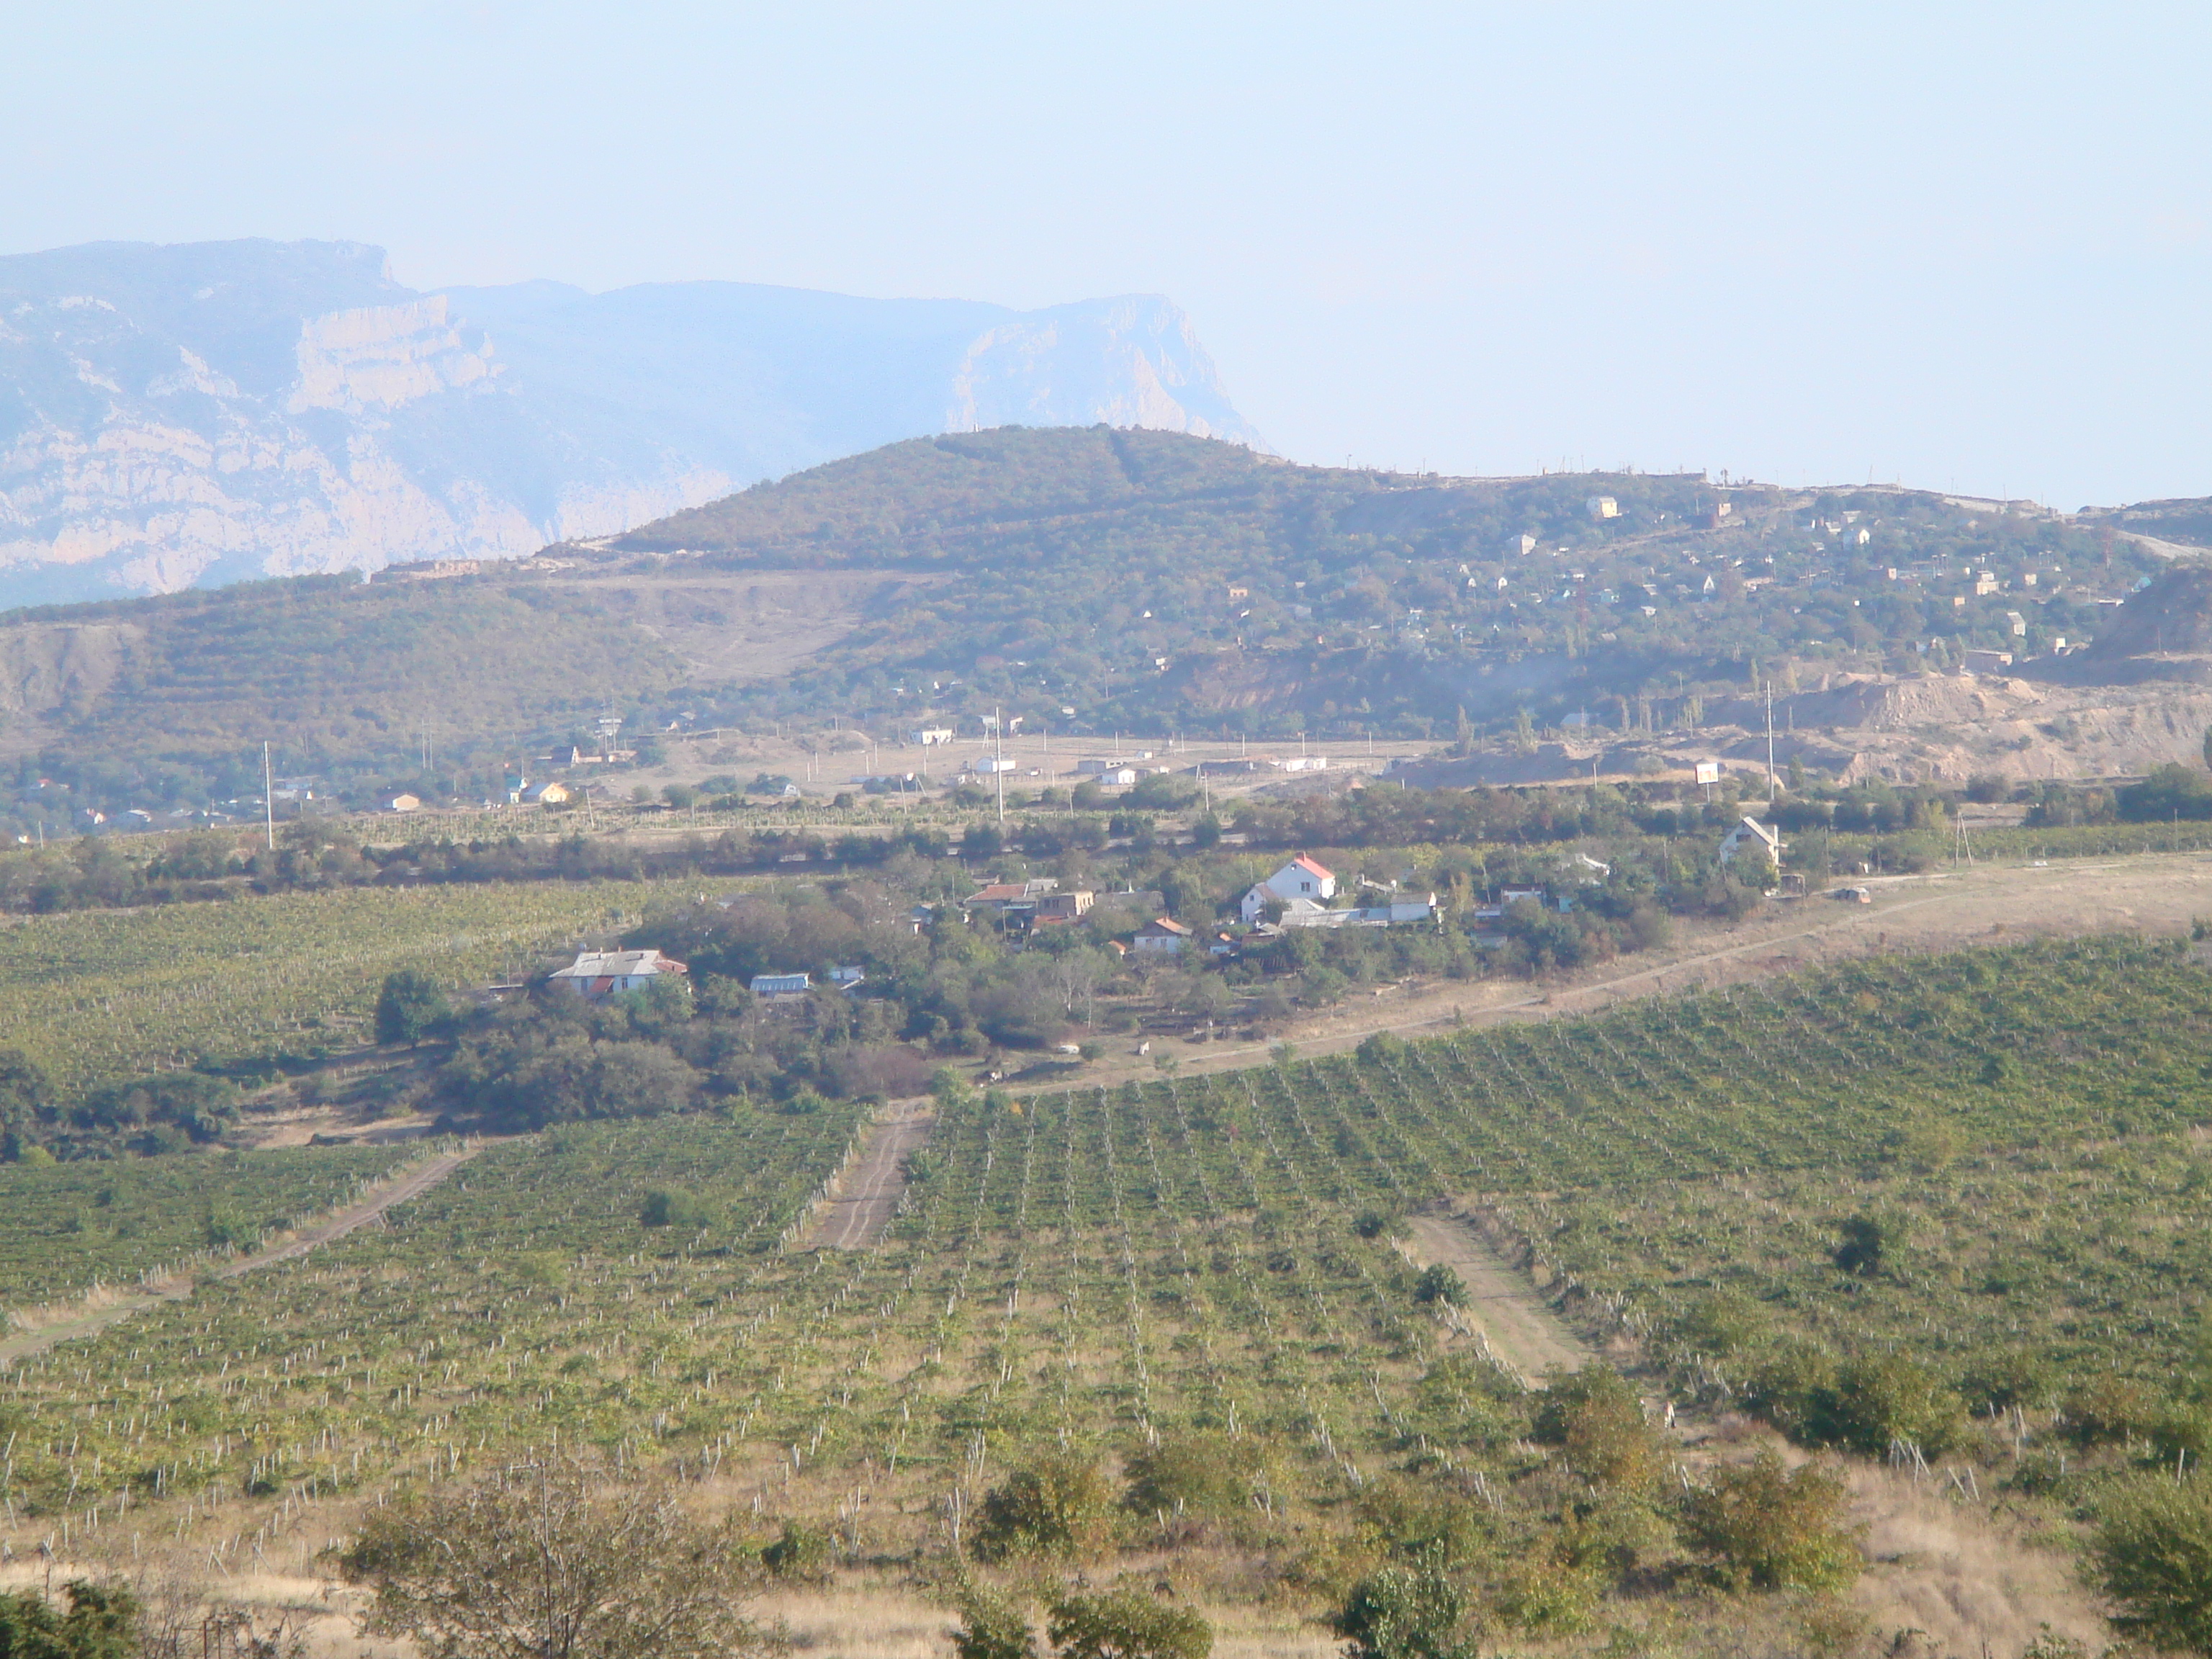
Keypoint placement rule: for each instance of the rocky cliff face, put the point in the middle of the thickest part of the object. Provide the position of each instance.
(174, 416)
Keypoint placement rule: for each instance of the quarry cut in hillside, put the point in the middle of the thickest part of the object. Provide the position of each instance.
(1927, 729)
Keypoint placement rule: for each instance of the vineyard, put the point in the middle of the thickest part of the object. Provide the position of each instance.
(67, 1228)
(1121, 1273)
(100, 994)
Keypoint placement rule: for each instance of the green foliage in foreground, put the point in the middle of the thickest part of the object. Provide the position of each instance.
(101, 1623)
(2152, 1552)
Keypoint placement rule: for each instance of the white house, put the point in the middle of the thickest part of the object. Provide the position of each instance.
(930, 736)
(399, 802)
(1160, 936)
(1301, 879)
(1748, 832)
(596, 974)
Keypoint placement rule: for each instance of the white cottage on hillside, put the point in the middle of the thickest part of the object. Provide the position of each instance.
(1749, 831)
(1301, 879)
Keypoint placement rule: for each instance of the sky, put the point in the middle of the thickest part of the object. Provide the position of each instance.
(1967, 247)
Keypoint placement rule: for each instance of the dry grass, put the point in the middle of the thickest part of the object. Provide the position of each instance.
(861, 1621)
(1964, 1576)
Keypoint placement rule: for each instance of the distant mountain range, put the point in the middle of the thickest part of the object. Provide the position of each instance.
(195, 414)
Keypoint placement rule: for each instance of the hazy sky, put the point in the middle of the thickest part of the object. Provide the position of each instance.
(1963, 246)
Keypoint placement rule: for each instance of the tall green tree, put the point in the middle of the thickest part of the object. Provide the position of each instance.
(411, 1006)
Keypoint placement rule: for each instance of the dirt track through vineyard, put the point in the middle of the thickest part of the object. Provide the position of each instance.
(91, 1323)
(868, 1191)
(1517, 1327)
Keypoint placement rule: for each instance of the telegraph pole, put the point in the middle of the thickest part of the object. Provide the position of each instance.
(1770, 743)
(268, 798)
(999, 759)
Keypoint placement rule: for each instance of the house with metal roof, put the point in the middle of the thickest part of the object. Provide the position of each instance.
(596, 974)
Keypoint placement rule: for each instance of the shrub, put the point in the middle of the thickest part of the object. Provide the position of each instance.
(1053, 1505)
(101, 1623)
(991, 1626)
(799, 1552)
(2152, 1554)
(1866, 1244)
(1599, 1421)
(1405, 1613)
(1886, 1398)
(1545, 1592)
(2110, 1409)
(1768, 1527)
(1438, 1283)
(1381, 1049)
(1197, 1474)
(1126, 1624)
(670, 1206)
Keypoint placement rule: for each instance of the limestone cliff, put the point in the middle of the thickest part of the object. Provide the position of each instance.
(174, 416)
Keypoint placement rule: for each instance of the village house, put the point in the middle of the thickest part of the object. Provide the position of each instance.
(596, 974)
(1301, 878)
(548, 793)
(399, 802)
(771, 987)
(1748, 832)
(1160, 936)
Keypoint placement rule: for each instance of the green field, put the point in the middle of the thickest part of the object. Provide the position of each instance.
(109, 993)
(1197, 1262)
(71, 1226)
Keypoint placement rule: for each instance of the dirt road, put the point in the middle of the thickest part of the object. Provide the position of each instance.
(867, 1191)
(1515, 1325)
(92, 1320)
(1941, 910)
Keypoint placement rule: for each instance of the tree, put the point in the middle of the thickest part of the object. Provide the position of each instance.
(2152, 1552)
(1774, 1529)
(1053, 1505)
(1865, 1246)
(549, 1561)
(101, 1623)
(1405, 1613)
(1126, 1624)
(25, 1092)
(410, 1007)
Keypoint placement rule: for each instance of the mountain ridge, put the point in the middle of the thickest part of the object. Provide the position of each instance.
(197, 414)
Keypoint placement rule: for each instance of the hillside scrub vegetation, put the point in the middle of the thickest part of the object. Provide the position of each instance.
(1051, 569)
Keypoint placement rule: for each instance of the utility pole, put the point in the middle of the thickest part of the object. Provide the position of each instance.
(268, 798)
(999, 759)
(1770, 743)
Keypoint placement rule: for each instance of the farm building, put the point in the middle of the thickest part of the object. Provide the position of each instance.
(596, 974)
